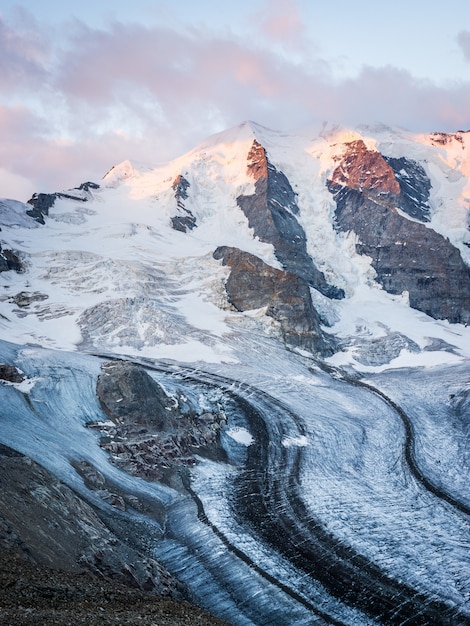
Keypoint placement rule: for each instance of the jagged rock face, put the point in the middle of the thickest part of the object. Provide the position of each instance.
(271, 212)
(407, 255)
(444, 138)
(24, 299)
(186, 221)
(9, 261)
(152, 434)
(10, 373)
(42, 202)
(365, 170)
(129, 395)
(414, 187)
(43, 519)
(180, 186)
(252, 284)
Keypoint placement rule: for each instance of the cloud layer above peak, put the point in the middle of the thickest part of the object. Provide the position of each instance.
(75, 101)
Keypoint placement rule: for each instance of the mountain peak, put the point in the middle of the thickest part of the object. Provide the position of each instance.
(118, 173)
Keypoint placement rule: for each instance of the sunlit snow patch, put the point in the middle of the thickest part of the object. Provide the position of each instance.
(301, 441)
(241, 435)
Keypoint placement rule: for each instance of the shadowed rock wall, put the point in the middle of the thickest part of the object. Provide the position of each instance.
(252, 284)
(271, 212)
(406, 254)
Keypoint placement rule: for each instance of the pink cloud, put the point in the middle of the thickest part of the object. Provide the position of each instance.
(189, 76)
(150, 93)
(23, 55)
(280, 21)
(15, 186)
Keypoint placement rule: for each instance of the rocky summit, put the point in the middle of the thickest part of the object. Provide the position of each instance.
(375, 203)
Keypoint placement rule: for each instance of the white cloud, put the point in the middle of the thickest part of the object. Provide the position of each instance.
(15, 186)
(149, 93)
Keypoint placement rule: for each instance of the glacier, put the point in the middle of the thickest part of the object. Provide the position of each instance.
(341, 492)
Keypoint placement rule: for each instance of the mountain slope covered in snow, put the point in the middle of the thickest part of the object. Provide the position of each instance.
(337, 210)
(252, 364)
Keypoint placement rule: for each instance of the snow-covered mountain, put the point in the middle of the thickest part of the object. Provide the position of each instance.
(372, 223)
(251, 285)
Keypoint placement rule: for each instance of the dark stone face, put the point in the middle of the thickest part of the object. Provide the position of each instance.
(60, 530)
(407, 255)
(9, 261)
(42, 202)
(180, 186)
(271, 212)
(414, 187)
(129, 395)
(183, 223)
(253, 284)
(152, 435)
(364, 169)
(10, 373)
(185, 220)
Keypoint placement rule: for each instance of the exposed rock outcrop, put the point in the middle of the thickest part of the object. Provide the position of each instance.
(185, 220)
(10, 373)
(443, 139)
(42, 202)
(151, 433)
(44, 521)
(406, 255)
(252, 284)
(9, 260)
(366, 171)
(129, 396)
(271, 212)
(60, 564)
(24, 299)
(414, 187)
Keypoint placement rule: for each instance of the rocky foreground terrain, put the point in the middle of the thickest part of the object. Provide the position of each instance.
(30, 594)
(60, 565)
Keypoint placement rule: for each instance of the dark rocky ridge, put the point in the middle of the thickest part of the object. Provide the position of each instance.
(366, 171)
(407, 255)
(444, 138)
(414, 187)
(271, 212)
(128, 395)
(10, 373)
(253, 284)
(186, 220)
(42, 202)
(45, 522)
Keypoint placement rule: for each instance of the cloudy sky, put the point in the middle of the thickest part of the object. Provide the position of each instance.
(86, 84)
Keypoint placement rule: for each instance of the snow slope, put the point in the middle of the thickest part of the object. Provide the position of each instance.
(112, 273)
